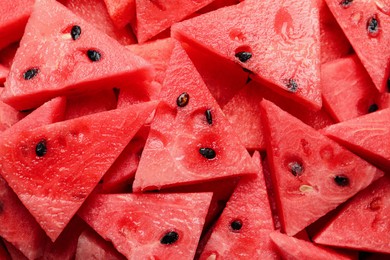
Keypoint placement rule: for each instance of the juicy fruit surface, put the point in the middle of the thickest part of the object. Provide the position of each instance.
(312, 174)
(292, 39)
(136, 223)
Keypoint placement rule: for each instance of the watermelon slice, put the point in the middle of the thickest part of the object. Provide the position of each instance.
(369, 231)
(348, 91)
(92, 246)
(278, 41)
(293, 248)
(365, 23)
(89, 62)
(121, 12)
(242, 231)
(154, 16)
(143, 226)
(53, 168)
(368, 136)
(13, 19)
(311, 173)
(190, 140)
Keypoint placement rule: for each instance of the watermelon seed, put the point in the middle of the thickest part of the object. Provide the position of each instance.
(75, 32)
(292, 85)
(236, 225)
(169, 238)
(40, 148)
(296, 168)
(341, 180)
(306, 188)
(183, 99)
(207, 153)
(374, 107)
(346, 3)
(243, 56)
(209, 117)
(30, 73)
(94, 55)
(373, 26)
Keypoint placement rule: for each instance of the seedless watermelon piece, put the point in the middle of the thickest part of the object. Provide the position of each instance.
(141, 226)
(368, 136)
(365, 24)
(363, 222)
(92, 246)
(121, 12)
(153, 17)
(190, 140)
(348, 91)
(242, 231)
(312, 174)
(53, 168)
(276, 40)
(13, 19)
(85, 62)
(293, 248)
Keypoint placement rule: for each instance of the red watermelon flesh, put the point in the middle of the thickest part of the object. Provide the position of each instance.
(92, 246)
(223, 78)
(95, 11)
(180, 132)
(122, 171)
(137, 223)
(294, 249)
(53, 184)
(278, 41)
(242, 231)
(3, 251)
(89, 104)
(3, 74)
(348, 91)
(8, 116)
(312, 174)
(334, 44)
(68, 69)
(8, 53)
(369, 231)
(14, 252)
(13, 19)
(154, 16)
(122, 12)
(368, 136)
(216, 4)
(365, 23)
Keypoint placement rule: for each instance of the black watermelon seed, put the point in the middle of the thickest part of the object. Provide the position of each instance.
(296, 168)
(40, 148)
(94, 55)
(292, 85)
(236, 225)
(341, 180)
(207, 153)
(183, 99)
(243, 56)
(346, 3)
(75, 32)
(373, 25)
(1, 207)
(374, 107)
(169, 238)
(209, 117)
(30, 73)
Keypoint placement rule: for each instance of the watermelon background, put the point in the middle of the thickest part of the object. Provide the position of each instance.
(194, 129)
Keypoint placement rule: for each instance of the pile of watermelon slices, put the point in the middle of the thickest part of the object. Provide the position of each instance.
(194, 129)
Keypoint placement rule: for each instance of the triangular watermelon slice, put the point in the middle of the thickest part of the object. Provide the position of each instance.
(82, 59)
(53, 168)
(154, 16)
(368, 136)
(190, 139)
(242, 231)
(147, 226)
(294, 248)
(366, 23)
(278, 41)
(121, 11)
(363, 223)
(312, 174)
